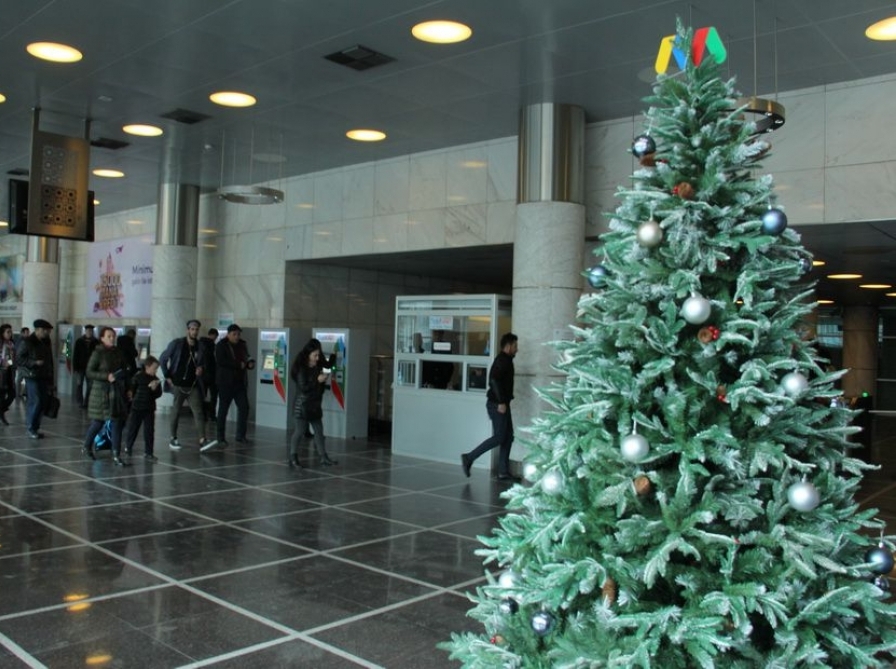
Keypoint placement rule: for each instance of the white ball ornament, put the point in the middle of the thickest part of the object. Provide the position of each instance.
(634, 447)
(530, 471)
(650, 234)
(507, 579)
(803, 496)
(794, 384)
(696, 309)
(552, 482)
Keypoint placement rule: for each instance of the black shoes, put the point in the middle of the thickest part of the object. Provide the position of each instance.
(465, 464)
(149, 457)
(293, 462)
(88, 453)
(327, 462)
(35, 435)
(120, 463)
(3, 418)
(509, 478)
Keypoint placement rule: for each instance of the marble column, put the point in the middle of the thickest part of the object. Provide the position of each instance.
(175, 263)
(548, 247)
(860, 325)
(40, 280)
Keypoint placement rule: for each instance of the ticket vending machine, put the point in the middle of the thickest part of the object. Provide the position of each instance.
(250, 336)
(66, 334)
(276, 349)
(142, 343)
(345, 405)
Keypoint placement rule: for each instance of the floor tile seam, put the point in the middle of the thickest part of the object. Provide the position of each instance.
(465, 501)
(375, 517)
(267, 486)
(384, 572)
(378, 611)
(90, 600)
(369, 542)
(296, 636)
(17, 651)
(441, 528)
(250, 567)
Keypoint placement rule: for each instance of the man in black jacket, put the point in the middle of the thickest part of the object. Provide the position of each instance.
(500, 392)
(210, 373)
(35, 358)
(182, 365)
(84, 346)
(233, 363)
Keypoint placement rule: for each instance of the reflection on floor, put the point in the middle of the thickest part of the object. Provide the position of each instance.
(230, 558)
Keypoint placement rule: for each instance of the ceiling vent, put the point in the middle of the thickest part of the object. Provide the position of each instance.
(185, 116)
(18, 172)
(108, 143)
(359, 58)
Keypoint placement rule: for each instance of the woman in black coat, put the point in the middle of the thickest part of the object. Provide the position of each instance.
(108, 369)
(309, 377)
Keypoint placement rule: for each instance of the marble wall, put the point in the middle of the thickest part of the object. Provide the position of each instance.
(833, 161)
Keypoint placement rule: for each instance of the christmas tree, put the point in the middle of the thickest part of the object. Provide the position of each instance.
(690, 496)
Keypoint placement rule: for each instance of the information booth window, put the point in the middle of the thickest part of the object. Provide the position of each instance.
(444, 346)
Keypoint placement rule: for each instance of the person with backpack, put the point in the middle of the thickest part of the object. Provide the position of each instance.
(108, 370)
(145, 389)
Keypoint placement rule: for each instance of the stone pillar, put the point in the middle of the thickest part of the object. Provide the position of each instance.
(548, 248)
(175, 264)
(40, 280)
(860, 326)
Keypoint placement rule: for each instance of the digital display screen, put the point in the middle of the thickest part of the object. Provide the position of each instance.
(268, 361)
(441, 347)
(144, 351)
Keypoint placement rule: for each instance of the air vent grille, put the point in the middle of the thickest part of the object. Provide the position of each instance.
(359, 58)
(185, 116)
(108, 143)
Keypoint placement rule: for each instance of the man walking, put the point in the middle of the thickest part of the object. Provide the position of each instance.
(181, 365)
(35, 359)
(84, 346)
(233, 363)
(500, 392)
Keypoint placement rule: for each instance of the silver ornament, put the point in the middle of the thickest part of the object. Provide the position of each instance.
(509, 606)
(774, 221)
(883, 583)
(507, 579)
(634, 447)
(542, 623)
(643, 145)
(650, 234)
(696, 309)
(794, 384)
(552, 483)
(597, 276)
(803, 496)
(530, 471)
(880, 559)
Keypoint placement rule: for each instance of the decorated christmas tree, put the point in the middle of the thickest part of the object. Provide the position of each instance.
(690, 495)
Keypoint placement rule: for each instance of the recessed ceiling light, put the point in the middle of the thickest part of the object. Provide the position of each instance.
(96, 203)
(818, 263)
(111, 174)
(54, 52)
(2, 98)
(844, 276)
(134, 221)
(890, 294)
(366, 135)
(232, 99)
(882, 30)
(441, 32)
(4, 224)
(143, 130)
(824, 301)
(880, 286)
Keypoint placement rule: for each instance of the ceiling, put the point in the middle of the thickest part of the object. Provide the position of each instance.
(144, 59)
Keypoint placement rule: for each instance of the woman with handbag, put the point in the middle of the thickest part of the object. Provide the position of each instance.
(309, 377)
(7, 371)
(107, 369)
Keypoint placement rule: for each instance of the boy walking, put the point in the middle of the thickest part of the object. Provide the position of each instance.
(145, 388)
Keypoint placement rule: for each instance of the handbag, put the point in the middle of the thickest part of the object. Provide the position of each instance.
(51, 407)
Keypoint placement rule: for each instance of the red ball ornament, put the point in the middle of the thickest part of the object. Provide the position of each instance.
(684, 190)
(722, 394)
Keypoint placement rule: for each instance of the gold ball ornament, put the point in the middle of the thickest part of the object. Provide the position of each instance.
(643, 486)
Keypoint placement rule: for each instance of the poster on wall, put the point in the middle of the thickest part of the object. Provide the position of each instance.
(11, 268)
(119, 278)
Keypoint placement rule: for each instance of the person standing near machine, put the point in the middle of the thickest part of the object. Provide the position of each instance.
(84, 346)
(233, 363)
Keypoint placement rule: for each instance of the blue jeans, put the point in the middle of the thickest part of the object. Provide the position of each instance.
(38, 391)
(502, 436)
(96, 424)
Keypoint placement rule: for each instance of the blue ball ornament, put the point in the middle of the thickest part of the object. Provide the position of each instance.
(597, 276)
(643, 145)
(542, 623)
(805, 265)
(881, 560)
(774, 221)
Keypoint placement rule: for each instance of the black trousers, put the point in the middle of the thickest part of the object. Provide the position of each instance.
(238, 395)
(138, 417)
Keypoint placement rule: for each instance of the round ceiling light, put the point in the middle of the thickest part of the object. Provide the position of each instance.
(366, 135)
(54, 52)
(882, 30)
(232, 99)
(2, 98)
(143, 130)
(441, 32)
(108, 173)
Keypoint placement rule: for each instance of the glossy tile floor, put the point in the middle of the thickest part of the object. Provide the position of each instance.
(232, 559)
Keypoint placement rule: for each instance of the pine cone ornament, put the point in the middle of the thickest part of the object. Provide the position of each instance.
(609, 591)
